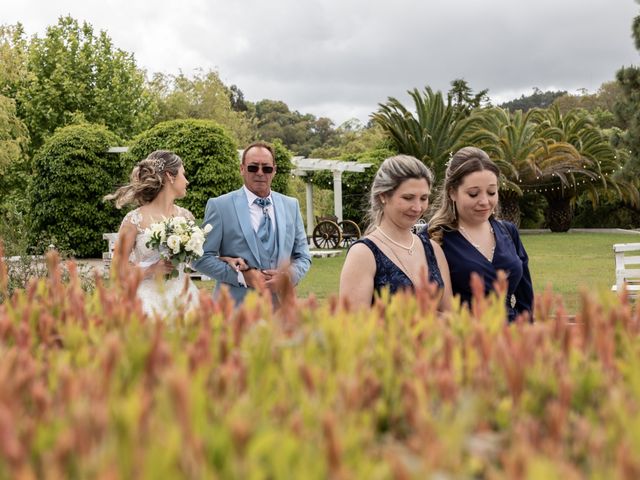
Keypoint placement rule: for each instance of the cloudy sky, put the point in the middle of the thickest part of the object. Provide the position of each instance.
(340, 58)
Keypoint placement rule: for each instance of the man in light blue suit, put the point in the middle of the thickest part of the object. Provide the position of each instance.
(260, 230)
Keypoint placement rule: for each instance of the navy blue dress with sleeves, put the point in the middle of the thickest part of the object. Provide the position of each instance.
(509, 255)
(388, 274)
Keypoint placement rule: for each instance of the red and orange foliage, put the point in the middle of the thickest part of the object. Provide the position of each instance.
(90, 388)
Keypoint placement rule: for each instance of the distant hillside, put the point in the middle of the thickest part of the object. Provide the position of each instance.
(538, 99)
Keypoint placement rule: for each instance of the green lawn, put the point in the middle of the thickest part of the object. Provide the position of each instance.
(566, 261)
(570, 261)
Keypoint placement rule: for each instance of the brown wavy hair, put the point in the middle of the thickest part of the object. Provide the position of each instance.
(147, 179)
(464, 162)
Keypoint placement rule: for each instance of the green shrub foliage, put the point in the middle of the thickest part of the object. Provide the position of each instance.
(283, 173)
(612, 213)
(209, 154)
(73, 171)
(76, 72)
(92, 389)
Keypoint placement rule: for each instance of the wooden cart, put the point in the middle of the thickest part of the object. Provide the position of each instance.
(330, 233)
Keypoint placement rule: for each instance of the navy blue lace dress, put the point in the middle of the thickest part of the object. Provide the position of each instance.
(388, 274)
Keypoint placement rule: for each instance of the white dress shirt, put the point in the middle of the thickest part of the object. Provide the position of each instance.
(256, 211)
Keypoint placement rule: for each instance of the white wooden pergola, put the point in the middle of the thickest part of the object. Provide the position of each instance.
(302, 166)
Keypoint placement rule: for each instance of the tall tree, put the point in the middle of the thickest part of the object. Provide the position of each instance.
(13, 133)
(202, 96)
(75, 73)
(14, 137)
(601, 104)
(463, 97)
(300, 133)
(433, 133)
(628, 108)
(13, 59)
(352, 137)
(236, 96)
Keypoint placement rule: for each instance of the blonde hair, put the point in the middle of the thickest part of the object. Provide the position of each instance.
(147, 179)
(464, 162)
(391, 174)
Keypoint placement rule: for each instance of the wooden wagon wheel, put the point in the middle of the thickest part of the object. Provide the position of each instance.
(350, 232)
(327, 234)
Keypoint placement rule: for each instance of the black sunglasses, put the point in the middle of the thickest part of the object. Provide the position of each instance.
(265, 168)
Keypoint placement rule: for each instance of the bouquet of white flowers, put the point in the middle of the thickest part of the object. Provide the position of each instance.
(177, 239)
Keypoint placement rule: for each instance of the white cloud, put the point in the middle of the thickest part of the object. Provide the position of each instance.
(340, 58)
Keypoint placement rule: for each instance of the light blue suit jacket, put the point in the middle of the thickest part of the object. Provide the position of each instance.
(233, 236)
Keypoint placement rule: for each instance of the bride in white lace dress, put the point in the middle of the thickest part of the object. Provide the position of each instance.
(156, 182)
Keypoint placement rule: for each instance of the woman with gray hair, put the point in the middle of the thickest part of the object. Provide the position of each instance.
(390, 255)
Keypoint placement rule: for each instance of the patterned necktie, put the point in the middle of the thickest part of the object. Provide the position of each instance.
(264, 230)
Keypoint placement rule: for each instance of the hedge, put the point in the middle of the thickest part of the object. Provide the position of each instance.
(72, 172)
(209, 154)
(283, 161)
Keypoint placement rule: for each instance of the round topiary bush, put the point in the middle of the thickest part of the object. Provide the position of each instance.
(73, 171)
(209, 154)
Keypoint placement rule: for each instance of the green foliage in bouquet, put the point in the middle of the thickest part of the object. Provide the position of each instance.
(209, 154)
(89, 387)
(72, 172)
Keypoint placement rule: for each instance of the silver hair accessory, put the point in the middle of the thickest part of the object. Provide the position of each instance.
(447, 164)
(159, 164)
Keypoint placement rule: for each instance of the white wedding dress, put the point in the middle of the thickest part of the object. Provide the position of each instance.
(160, 297)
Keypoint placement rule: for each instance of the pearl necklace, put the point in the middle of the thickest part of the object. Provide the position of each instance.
(409, 249)
(402, 266)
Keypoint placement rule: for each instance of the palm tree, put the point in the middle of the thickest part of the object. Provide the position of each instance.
(515, 143)
(595, 169)
(559, 156)
(507, 140)
(431, 134)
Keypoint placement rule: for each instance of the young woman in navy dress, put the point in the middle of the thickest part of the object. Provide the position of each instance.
(391, 255)
(472, 239)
